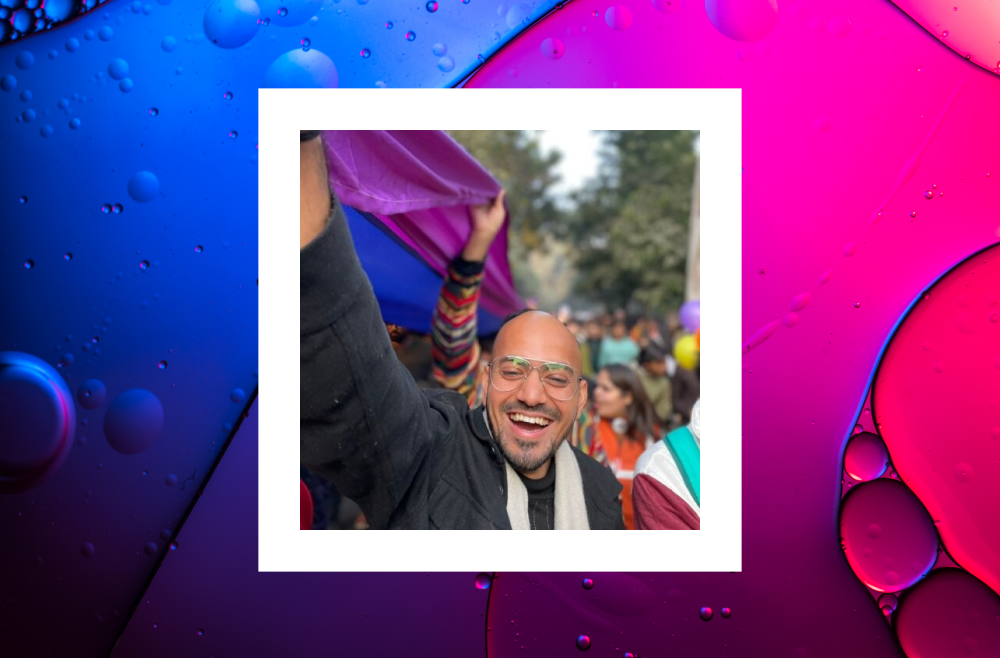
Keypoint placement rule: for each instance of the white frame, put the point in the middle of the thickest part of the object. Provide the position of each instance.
(716, 113)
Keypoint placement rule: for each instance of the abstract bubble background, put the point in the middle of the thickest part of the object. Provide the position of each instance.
(849, 109)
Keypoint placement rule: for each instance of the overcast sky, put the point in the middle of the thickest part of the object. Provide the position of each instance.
(580, 160)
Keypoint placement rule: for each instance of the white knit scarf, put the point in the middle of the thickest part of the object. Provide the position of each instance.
(571, 511)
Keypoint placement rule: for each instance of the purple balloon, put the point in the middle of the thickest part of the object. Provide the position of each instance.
(691, 315)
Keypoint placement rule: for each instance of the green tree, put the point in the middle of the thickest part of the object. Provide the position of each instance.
(516, 159)
(630, 227)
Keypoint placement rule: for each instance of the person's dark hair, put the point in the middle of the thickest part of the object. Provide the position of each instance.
(640, 414)
(514, 315)
(306, 135)
(651, 353)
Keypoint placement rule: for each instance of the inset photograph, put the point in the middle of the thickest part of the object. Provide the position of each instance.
(500, 330)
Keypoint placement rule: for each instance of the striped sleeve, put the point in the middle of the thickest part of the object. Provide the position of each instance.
(454, 348)
(585, 436)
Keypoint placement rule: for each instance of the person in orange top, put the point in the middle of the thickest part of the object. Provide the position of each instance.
(626, 426)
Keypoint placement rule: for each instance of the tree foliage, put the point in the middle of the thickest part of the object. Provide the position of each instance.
(630, 228)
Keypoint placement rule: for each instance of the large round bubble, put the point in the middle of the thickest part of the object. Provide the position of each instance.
(133, 421)
(301, 69)
(38, 420)
(296, 12)
(58, 10)
(143, 186)
(889, 539)
(231, 23)
(91, 394)
(743, 20)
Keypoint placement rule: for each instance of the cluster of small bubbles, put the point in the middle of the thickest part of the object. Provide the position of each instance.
(431, 6)
(228, 96)
(198, 249)
(153, 111)
(233, 134)
(68, 255)
(587, 583)
(28, 264)
(162, 365)
(582, 642)
(410, 36)
(705, 613)
(305, 43)
(365, 53)
(483, 581)
(725, 612)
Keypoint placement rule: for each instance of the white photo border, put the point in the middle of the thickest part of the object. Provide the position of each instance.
(716, 113)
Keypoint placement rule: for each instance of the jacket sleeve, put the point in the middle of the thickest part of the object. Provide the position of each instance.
(656, 507)
(454, 348)
(364, 423)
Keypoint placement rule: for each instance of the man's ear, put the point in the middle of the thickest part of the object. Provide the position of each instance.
(484, 380)
(584, 397)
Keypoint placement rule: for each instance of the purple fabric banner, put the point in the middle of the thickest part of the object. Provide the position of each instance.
(420, 183)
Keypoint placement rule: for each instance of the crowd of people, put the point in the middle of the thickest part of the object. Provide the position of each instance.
(611, 410)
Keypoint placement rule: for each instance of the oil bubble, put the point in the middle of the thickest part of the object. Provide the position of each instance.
(162, 365)
(170, 480)
(725, 612)
(231, 23)
(169, 44)
(45, 131)
(237, 395)
(72, 45)
(583, 643)
(117, 209)
(618, 17)
(431, 6)
(126, 85)
(446, 64)
(143, 187)
(28, 264)
(87, 549)
(553, 48)
(439, 49)
(28, 115)
(587, 583)
(8, 82)
(23, 199)
(228, 96)
(705, 613)
(118, 69)
(74, 123)
(365, 53)
(822, 124)
(133, 421)
(518, 15)
(91, 394)
(866, 456)
(483, 581)
(153, 111)
(105, 33)
(150, 548)
(24, 60)
(913, 214)
(410, 36)
(106, 208)
(857, 304)
(26, 95)
(301, 69)
(745, 21)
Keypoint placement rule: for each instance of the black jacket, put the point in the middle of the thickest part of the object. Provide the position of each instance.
(410, 458)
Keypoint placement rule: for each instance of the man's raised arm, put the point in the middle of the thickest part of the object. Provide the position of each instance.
(363, 423)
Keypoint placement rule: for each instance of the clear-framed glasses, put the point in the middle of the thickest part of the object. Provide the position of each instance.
(507, 373)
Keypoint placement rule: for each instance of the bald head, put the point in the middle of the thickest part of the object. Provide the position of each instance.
(538, 335)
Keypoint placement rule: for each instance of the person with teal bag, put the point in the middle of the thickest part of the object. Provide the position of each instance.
(666, 487)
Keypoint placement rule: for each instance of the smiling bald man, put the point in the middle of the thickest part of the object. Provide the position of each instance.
(416, 459)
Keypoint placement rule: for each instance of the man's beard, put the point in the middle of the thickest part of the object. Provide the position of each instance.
(514, 450)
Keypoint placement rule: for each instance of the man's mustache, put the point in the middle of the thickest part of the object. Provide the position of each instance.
(551, 412)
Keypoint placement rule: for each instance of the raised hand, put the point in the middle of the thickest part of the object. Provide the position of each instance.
(487, 220)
